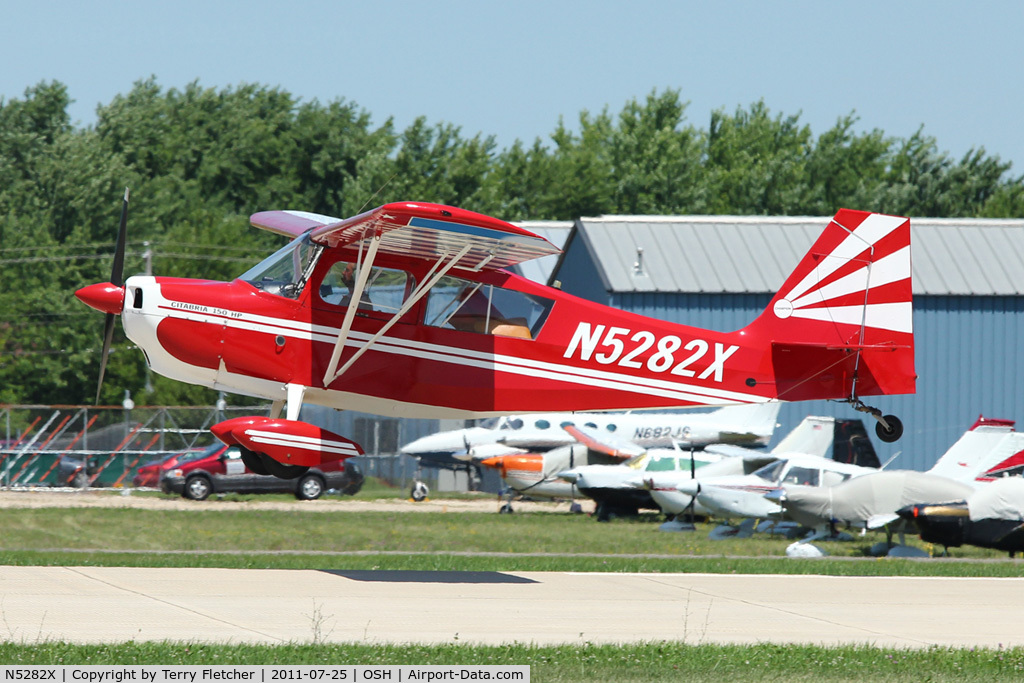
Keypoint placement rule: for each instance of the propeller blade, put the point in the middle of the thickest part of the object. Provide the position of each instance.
(108, 336)
(117, 279)
(117, 270)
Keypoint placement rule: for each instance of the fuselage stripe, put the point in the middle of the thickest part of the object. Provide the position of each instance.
(468, 357)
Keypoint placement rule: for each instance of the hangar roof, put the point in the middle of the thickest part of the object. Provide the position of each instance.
(754, 254)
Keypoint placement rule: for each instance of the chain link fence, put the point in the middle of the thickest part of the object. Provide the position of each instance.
(104, 446)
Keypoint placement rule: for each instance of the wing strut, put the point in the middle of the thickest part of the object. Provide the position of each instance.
(435, 274)
(362, 276)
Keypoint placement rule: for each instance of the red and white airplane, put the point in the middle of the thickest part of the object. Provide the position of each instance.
(439, 328)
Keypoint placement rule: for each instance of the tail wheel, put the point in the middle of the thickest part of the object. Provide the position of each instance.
(280, 470)
(893, 433)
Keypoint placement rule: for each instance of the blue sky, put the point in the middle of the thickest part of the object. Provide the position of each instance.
(512, 69)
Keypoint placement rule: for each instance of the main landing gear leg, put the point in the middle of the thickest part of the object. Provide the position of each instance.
(889, 427)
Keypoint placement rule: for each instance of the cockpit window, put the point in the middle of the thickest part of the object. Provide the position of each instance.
(286, 271)
(662, 464)
(772, 472)
(804, 476)
(384, 291)
(459, 304)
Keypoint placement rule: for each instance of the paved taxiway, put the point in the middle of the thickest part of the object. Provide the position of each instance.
(112, 604)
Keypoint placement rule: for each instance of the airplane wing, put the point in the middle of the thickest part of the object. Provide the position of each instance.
(419, 229)
(487, 450)
(535, 439)
(752, 460)
(880, 520)
(604, 443)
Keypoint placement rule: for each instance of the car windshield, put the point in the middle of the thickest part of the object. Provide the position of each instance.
(285, 271)
(199, 455)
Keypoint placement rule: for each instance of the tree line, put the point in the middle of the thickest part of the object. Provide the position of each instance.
(200, 160)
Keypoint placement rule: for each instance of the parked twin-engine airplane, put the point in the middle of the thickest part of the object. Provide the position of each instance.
(798, 458)
(989, 449)
(528, 450)
(990, 517)
(407, 309)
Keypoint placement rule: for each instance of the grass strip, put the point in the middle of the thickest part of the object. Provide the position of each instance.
(440, 561)
(649, 662)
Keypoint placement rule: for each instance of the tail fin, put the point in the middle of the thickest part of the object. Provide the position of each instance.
(983, 447)
(757, 420)
(842, 323)
(812, 436)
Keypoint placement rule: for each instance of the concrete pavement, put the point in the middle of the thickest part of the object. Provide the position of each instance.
(114, 604)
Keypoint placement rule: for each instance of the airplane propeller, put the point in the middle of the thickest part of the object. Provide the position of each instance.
(108, 297)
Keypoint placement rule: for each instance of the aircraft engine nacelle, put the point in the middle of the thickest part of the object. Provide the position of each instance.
(290, 442)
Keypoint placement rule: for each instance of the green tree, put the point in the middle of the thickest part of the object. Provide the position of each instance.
(656, 159)
(756, 163)
(581, 170)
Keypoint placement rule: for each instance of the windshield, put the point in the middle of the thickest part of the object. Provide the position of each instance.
(637, 462)
(664, 463)
(771, 472)
(285, 271)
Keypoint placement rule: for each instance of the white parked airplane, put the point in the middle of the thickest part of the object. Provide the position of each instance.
(741, 496)
(529, 450)
(872, 501)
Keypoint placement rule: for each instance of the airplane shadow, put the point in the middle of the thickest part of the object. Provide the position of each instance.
(417, 576)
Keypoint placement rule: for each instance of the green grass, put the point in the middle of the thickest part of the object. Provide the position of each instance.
(229, 535)
(650, 662)
(238, 536)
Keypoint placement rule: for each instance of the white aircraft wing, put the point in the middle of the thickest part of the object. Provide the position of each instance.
(752, 460)
(535, 438)
(879, 521)
(487, 450)
(605, 443)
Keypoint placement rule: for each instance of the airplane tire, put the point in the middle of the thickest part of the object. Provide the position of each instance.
(280, 470)
(894, 432)
(506, 509)
(419, 491)
(252, 461)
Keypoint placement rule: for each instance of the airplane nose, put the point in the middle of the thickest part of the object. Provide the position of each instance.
(103, 296)
(777, 495)
(496, 462)
(569, 475)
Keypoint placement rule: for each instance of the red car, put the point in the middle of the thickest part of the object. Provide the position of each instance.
(150, 475)
(220, 470)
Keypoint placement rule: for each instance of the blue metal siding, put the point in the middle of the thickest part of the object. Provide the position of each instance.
(578, 274)
(967, 362)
